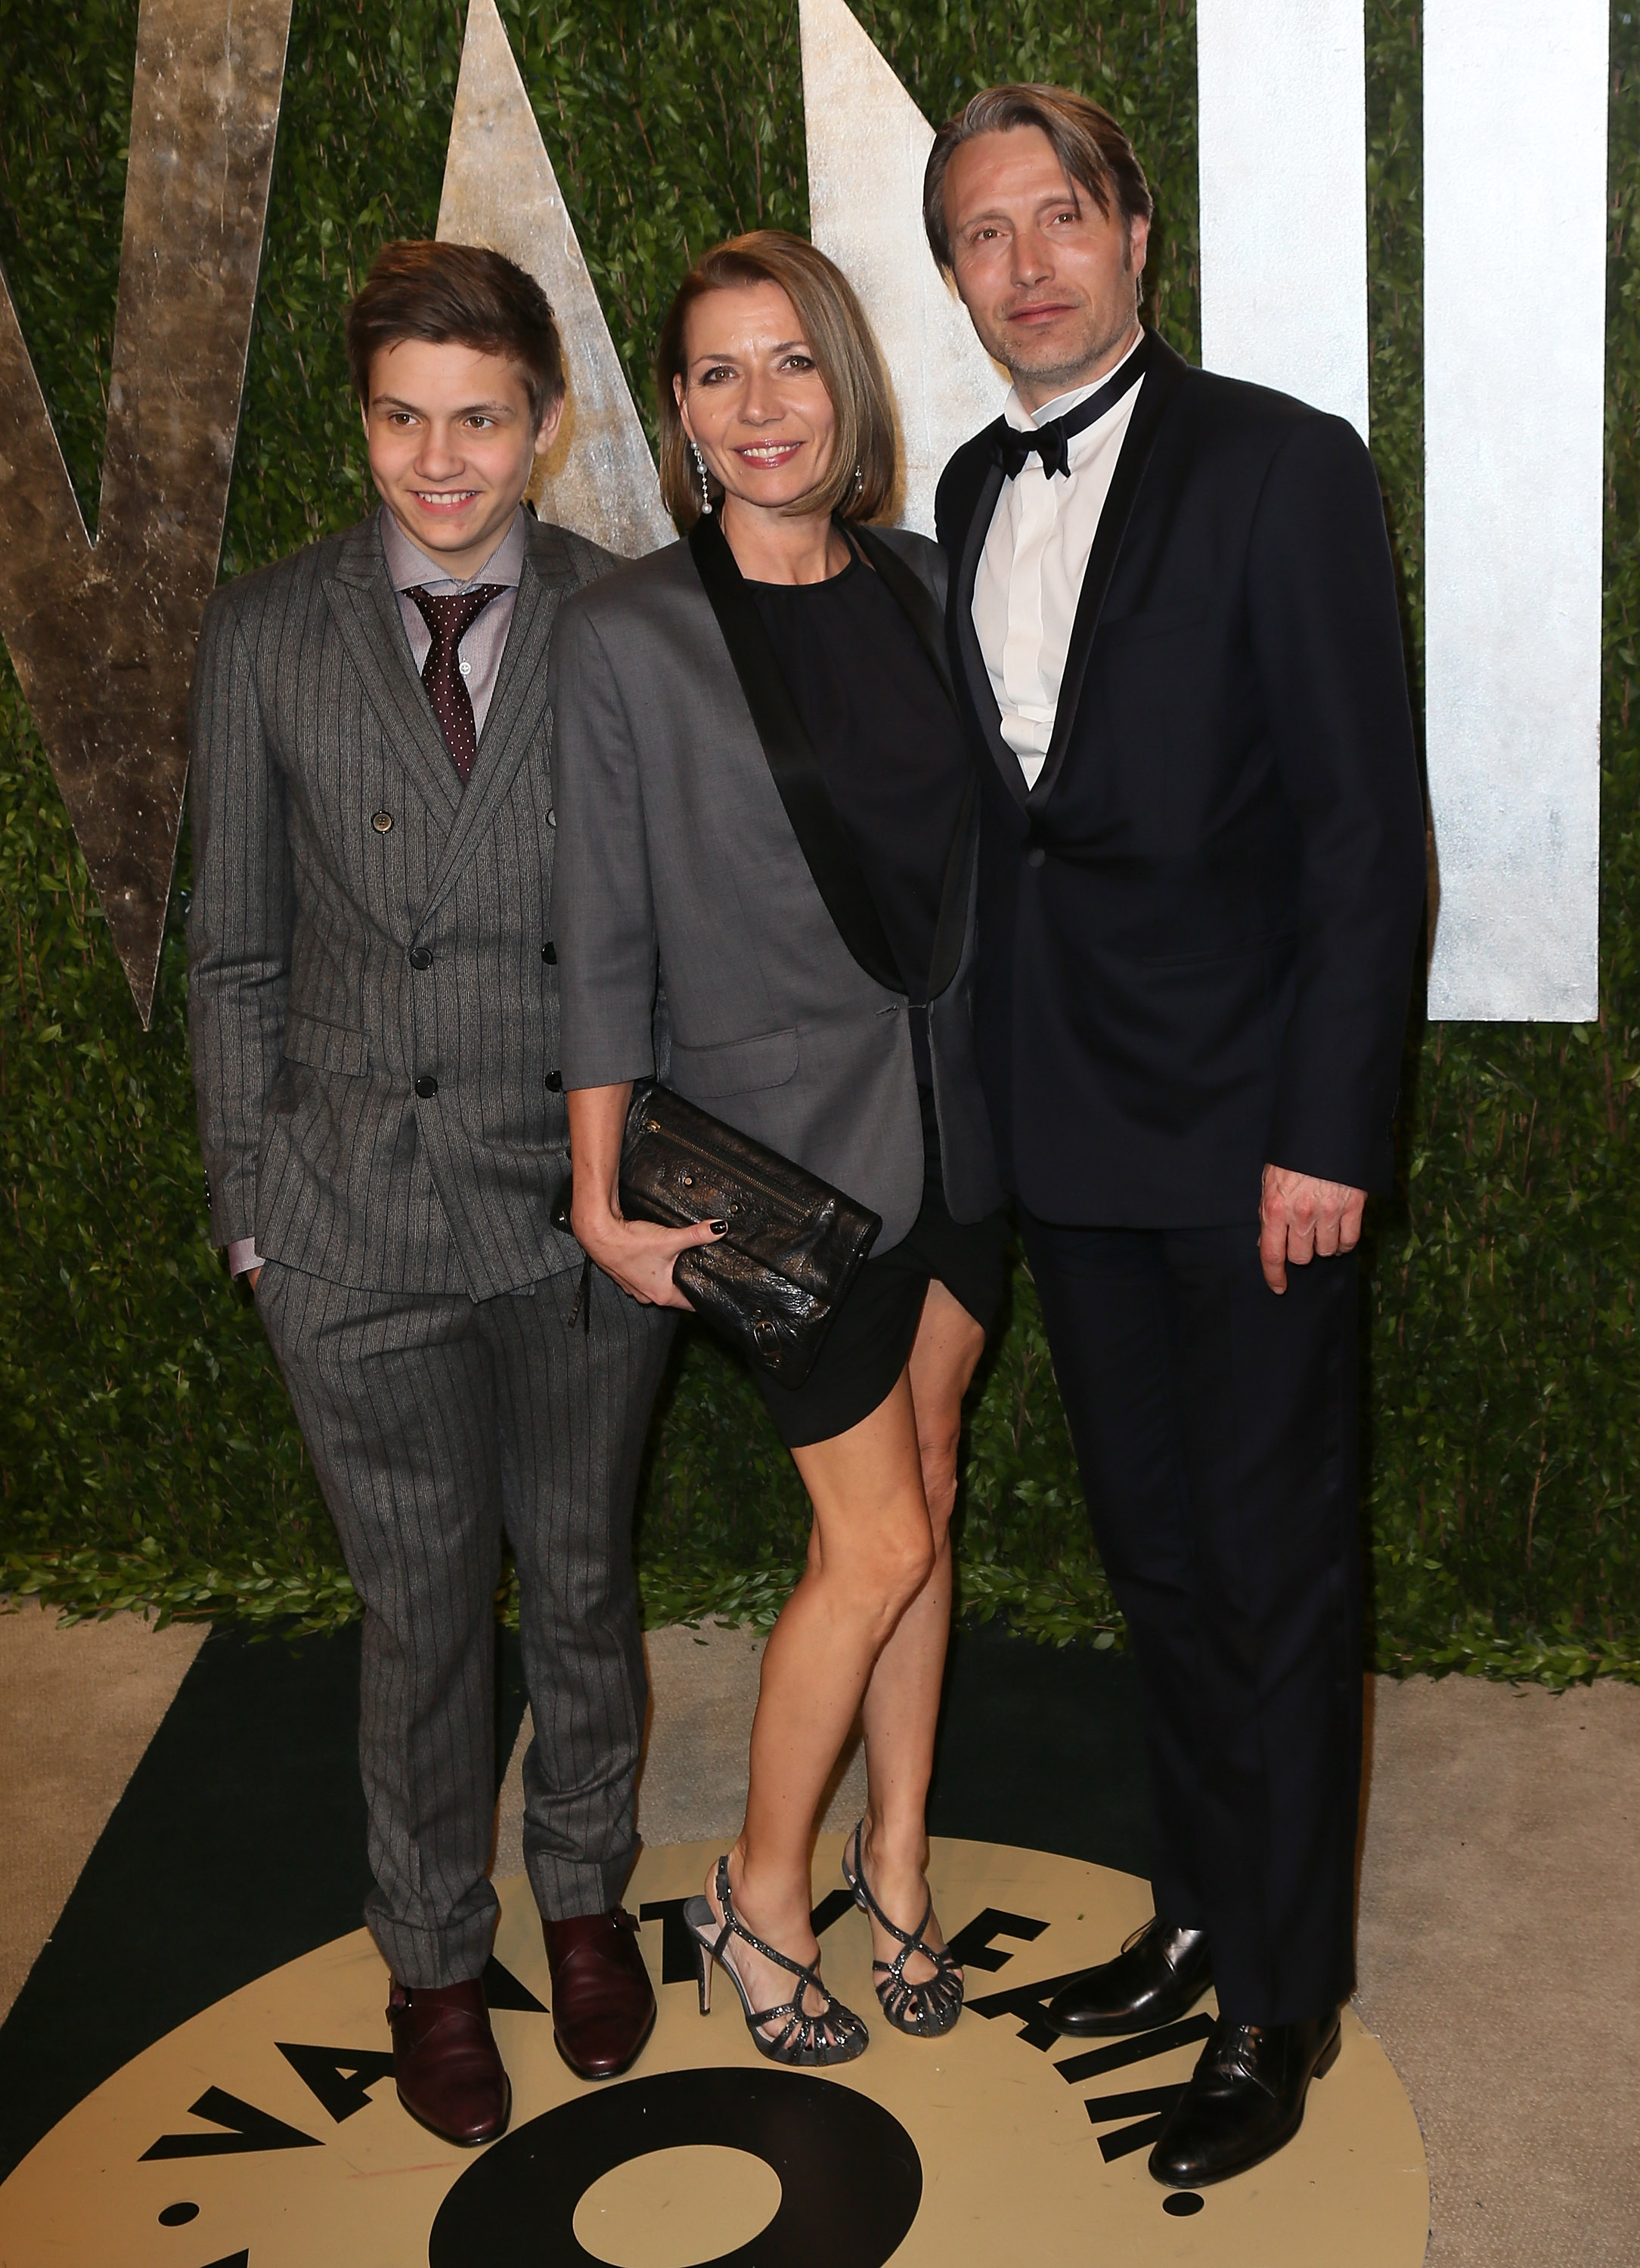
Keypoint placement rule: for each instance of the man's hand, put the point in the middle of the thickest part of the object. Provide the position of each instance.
(1302, 1219)
(252, 1276)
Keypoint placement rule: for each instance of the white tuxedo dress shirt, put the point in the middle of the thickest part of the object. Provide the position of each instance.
(1035, 556)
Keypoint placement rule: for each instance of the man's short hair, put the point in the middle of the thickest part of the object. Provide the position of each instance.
(456, 295)
(1095, 152)
(864, 459)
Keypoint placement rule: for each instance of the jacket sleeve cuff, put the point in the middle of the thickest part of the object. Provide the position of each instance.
(243, 1255)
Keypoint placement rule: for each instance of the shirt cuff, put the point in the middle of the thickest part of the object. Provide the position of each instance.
(243, 1255)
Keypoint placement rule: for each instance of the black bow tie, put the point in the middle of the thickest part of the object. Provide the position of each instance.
(1014, 450)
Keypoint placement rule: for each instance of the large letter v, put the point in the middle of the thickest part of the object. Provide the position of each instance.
(102, 635)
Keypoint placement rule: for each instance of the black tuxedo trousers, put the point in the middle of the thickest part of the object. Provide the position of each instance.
(1214, 1423)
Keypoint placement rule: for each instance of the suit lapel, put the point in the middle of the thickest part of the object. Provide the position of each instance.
(799, 781)
(915, 599)
(964, 639)
(1164, 373)
(514, 715)
(365, 613)
(917, 603)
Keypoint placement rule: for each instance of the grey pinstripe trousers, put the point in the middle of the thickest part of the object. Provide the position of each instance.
(435, 1422)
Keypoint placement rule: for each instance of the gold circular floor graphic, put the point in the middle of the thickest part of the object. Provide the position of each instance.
(265, 2133)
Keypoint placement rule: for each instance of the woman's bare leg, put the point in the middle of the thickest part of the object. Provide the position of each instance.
(870, 1554)
(902, 1704)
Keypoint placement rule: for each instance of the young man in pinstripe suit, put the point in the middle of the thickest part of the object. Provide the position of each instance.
(374, 1014)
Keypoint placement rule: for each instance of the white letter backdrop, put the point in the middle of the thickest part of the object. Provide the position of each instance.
(1515, 233)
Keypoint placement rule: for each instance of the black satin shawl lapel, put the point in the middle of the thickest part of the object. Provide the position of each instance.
(821, 836)
(1164, 373)
(952, 927)
(366, 611)
(915, 599)
(917, 602)
(964, 639)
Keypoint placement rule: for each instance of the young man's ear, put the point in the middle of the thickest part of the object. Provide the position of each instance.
(547, 432)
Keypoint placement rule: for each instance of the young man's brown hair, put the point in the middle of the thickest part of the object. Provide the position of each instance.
(459, 295)
(1095, 152)
(864, 457)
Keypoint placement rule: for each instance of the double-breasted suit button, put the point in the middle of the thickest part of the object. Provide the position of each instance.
(420, 958)
(550, 953)
(552, 817)
(382, 820)
(426, 1088)
(555, 1082)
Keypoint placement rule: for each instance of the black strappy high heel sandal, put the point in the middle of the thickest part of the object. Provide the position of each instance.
(836, 2035)
(924, 2010)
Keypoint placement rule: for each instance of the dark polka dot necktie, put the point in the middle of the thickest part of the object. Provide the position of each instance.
(448, 620)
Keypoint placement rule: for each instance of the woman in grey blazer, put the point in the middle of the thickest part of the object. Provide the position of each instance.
(765, 801)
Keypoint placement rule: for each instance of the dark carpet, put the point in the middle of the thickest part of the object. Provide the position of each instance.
(240, 1842)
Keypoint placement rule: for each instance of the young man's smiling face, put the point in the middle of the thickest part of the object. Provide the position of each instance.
(453, 442)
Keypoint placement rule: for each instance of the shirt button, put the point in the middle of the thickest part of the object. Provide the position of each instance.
(420, 958)
(1036, 856)
(555, 1082)
(382, 820)
(426, 1088)
(467, 669)
(550, 953)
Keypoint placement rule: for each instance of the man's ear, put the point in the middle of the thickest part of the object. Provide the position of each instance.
(547, 432)
(1138, 243)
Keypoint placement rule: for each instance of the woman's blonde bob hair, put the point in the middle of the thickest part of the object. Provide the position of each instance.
(860, 482)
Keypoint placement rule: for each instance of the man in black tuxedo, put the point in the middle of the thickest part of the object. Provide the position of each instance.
(1173, 616)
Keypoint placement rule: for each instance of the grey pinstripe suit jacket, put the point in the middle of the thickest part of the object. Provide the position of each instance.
(333, 840)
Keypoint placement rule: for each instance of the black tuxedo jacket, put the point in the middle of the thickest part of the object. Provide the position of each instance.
(1196, 932)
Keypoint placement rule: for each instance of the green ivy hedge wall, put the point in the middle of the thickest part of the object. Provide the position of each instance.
(146, 1451)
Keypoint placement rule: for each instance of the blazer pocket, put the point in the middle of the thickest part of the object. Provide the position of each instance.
(325, 1047)
(1155, 622)
(736, 1066)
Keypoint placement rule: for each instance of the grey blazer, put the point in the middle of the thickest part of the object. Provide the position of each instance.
(373, 999)
(676, 853)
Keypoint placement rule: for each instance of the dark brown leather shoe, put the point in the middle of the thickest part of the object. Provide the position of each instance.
(603, 2005)
(449, 2070)
(1159, 1973)
(1245, 2098)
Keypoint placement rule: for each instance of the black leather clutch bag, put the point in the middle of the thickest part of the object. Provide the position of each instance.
(795, 1244)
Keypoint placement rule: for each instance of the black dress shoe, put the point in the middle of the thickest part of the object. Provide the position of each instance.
(1159, 1973)
(1244, 2100)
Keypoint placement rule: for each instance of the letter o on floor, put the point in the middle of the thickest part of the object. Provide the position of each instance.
(844, 2164)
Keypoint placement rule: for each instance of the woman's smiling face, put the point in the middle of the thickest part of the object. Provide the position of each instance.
(753, 399)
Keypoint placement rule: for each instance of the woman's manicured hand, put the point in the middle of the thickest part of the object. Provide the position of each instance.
(639, 1255)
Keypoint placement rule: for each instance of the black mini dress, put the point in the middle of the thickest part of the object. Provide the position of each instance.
(891, 747)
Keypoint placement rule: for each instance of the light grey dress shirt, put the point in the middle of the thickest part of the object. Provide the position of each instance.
(485, 641)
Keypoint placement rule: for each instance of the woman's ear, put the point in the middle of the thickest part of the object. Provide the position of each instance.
(678, 396)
